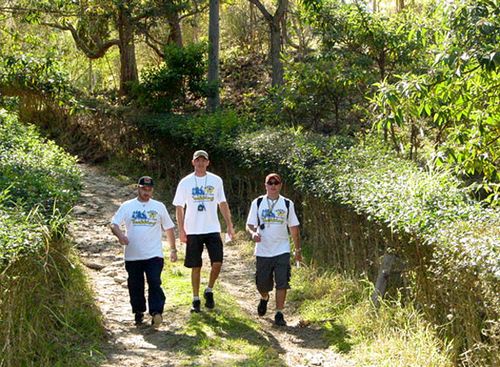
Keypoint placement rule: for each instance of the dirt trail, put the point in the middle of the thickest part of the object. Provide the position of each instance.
(140, 347)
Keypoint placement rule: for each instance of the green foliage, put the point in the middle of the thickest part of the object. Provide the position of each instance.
(427, 207)
(35, 171)
(181, 76)
(22, 74)
(214, 131)
(454, 106)
(20, 234)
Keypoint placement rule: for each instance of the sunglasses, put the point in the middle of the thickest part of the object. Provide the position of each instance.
(270, 183)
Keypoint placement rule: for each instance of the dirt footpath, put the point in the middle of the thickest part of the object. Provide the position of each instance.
(140, 347)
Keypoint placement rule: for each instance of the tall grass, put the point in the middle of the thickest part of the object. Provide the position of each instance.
(395, 334)
(47, 313)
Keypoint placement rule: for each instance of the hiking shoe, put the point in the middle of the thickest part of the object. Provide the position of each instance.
(156, 320)
(209, 300)
(195, 307)
(262, 307)
(139, 318)
(279, 319)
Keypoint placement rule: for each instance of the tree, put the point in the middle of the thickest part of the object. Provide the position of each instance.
(274, 22)
(213, 56)
(92, 25)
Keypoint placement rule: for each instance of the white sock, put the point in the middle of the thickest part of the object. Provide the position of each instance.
(208, 290)
(279, 311)
(196, 298)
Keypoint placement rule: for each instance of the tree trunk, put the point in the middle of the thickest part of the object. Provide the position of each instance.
(213, 100)
(274, 22)
(128, 62)
(174, 24)
(275, 52)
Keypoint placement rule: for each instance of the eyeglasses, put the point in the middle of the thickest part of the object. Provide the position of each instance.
(270, 183)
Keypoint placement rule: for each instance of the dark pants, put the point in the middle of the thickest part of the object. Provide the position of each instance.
(136, 270)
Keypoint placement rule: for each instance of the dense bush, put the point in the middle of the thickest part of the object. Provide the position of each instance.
(214, 131)
(182, 75)
(36, 172)
(22, 74)
(448, 241)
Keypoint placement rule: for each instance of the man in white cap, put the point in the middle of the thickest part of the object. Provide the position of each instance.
(144, 220)
(270, 217)
(197, 198)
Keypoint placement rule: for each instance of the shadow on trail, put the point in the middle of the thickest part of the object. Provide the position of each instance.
(209, 331)
(314, 337)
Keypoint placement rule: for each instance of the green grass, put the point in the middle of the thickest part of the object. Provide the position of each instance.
(223, 337)
(48, 316)
(393, 335)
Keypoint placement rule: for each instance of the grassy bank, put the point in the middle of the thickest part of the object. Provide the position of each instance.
(47, 312)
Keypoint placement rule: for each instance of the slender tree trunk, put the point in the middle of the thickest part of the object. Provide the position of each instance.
(128, 62)
(274, 22)
(213, 100)
(275, 52)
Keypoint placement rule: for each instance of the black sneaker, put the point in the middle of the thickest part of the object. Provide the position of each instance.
(262, 307)
(279, 319)
(156, 320)
(195, 307)
(139, 318)
(209, 300)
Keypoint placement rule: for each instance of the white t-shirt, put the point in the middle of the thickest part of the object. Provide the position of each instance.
(204, 193)
(276, 218)
(144, 222)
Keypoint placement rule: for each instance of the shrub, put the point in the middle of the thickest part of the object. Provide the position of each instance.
(179, 77)
(35, 171)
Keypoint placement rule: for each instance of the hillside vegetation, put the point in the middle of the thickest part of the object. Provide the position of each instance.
(47, 315)
(385, 125)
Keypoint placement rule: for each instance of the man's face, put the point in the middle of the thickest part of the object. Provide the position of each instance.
(200, 163)
(273, 186)
(145, 192)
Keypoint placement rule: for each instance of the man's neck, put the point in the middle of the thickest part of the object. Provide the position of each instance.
(141, 200)
(273, 196)
(200, 173)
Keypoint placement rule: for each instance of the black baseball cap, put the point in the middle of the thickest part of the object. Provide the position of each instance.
(145, 181)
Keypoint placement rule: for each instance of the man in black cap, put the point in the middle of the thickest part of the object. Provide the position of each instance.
(197, 198)
(144, 220)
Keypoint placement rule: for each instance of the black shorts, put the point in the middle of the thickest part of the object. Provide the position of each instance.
(194, 249)
(270, 270)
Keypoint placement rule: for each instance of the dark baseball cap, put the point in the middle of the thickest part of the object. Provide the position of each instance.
(145, 181)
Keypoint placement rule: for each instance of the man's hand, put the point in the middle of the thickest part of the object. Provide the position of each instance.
(182, 235)
(173, 255)
(255, 237)
(123, 240)
(230, 231)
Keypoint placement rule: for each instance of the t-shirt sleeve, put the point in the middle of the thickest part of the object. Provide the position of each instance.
(292, 216)
(252, 215)
(221, 196)
(166, 220)
(179, 198)
(119, 216)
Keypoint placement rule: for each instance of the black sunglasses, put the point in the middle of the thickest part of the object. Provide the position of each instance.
(273, 183)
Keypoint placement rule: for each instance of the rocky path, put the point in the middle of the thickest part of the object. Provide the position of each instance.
(127, 345)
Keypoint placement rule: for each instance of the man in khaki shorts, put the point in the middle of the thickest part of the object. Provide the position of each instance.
(268, 221)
